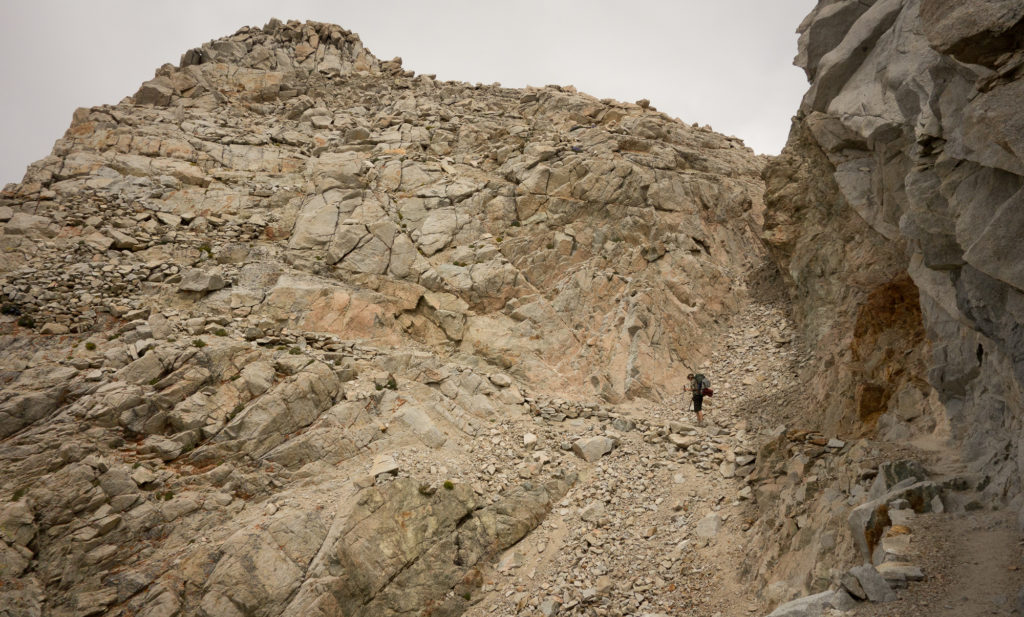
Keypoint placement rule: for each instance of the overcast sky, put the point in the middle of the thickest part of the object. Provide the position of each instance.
(727, 63)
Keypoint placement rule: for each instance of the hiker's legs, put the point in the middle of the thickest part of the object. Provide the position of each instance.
(698, 403)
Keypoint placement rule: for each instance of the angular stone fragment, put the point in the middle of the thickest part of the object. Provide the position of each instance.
(156, 91)
(384, 464)
(814, 606)
(25, 224)
(53, 328)
(709, 526)
(198, 280)
(727, 469)
(123, 241)
(166, 449)
(98, 241)
(871, 583)
(898, 573)
(683, 441)
(591, 449)
(594, 512)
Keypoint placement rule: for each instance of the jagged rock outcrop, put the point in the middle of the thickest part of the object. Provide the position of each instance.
(544, 229)
(896, 208)
(268, 321)
(893, 214)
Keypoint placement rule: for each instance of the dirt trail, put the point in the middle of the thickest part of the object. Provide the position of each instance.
(973, 566)
(655, 526)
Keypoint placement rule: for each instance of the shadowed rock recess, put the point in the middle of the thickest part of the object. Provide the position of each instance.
(296, 332)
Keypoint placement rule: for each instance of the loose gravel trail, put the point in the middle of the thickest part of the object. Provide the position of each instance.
(657, 525)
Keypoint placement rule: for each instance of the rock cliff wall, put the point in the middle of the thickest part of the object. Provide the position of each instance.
(896, 213)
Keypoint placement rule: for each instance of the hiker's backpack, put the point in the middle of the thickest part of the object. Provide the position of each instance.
(704, 384)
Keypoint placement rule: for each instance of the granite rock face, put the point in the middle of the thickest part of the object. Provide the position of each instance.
(267, 324)
(896, 207)
(318, 188)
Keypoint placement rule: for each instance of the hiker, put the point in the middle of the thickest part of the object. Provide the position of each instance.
(701, 387)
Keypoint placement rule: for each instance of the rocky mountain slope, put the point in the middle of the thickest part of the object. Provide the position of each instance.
(277, 328)
(295, 331)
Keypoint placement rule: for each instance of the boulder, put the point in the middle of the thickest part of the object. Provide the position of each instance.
(201, 281)
(898, 574)
(815, 605)
(157, 91)
(591, 449)
(29, 224)
(709, 526)
(53, 328)
(865, 582)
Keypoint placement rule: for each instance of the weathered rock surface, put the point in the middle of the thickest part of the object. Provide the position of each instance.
(889, 214)
(814, 606)
(275, 327)
(894, 211)
(296, 331)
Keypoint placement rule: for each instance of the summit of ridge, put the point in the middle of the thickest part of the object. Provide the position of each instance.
(279, 45)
